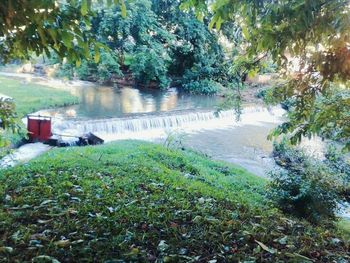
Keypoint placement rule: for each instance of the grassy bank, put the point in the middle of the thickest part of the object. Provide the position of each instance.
(141, 202)
(33, 97)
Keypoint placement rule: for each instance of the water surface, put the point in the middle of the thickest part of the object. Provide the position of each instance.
(153, 115)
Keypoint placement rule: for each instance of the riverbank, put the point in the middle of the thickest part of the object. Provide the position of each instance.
(31, 97)
(250, 94)
(137, 201)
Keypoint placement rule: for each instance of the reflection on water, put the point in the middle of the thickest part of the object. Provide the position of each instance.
(106, 102)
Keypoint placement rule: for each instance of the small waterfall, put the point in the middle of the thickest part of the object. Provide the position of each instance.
(190, 120)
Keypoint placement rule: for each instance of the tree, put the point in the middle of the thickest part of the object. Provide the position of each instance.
(40, 26)
(197, 56)
(311, 35)
(157, 42)
(43, 26)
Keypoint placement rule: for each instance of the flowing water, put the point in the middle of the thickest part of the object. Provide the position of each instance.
(129, 113)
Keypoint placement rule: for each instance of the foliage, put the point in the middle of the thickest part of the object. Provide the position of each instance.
(150, 65)
(344, 228)
(157, 42)
(305, 187)
(327, 116)
(174, 140)
(340, 165)
(205, 86)
(197, 56)
(45, 25)
(135, 201)
(8, 118)
(102, 71)
(308, 42)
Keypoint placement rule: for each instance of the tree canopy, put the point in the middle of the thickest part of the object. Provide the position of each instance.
(309, 42)
(156, 43)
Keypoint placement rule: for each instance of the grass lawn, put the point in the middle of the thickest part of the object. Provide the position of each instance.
(344, 227)
(33, 97)
(136, 201)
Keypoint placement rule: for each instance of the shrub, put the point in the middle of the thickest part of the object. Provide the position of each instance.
(65, 71)
(205, 86)
(304, 186)
(83, 72)
(340, 166)
(150, 64)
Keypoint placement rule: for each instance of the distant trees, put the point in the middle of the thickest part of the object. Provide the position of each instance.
(157, 42)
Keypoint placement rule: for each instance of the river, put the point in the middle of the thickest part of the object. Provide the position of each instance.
(153, 115)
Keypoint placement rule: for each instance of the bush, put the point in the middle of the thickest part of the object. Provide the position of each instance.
(150, 64)
(83, 72)
(205, 86)
(65, 71)
(107, 67)
(340, 166)
(304, 186)
(103, 71)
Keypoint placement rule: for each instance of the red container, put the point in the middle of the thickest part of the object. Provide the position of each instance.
(39, 128)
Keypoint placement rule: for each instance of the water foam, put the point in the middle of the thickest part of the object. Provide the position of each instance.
(153, 126)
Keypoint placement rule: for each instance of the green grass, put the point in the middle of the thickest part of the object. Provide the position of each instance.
(33, 97)
(136, 201)
(344, 228)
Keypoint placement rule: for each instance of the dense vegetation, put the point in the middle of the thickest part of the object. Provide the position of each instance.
(309, 187)
(134, 201)
(42, 26)
(156, 43)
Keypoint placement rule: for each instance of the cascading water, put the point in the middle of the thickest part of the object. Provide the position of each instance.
(153, 125)
(150, 114)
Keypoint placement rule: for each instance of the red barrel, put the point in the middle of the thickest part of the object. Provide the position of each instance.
(39, 128)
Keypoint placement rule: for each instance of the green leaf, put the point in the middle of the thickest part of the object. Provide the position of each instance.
(42, 36)
(245, 32)
(266, 248)
(67, 39)
(123, 8)
(84, 7)
(78, 63)
(97, 54)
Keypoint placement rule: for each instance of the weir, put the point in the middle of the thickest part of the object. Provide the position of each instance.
(170, 120)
